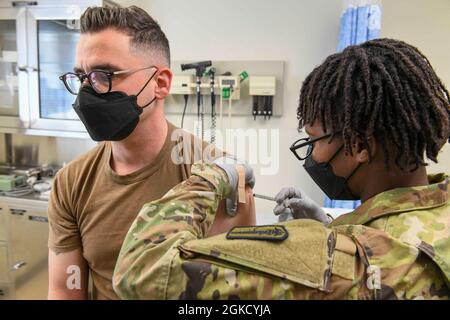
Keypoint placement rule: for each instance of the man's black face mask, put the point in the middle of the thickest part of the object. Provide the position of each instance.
(109, 116)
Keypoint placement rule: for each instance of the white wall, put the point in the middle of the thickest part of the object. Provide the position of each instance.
(302, 33)
(425, 24)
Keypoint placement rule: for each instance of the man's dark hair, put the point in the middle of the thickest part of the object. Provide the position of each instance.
(145, 32)
(385, 88)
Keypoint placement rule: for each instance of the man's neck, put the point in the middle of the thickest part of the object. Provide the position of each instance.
(142, 147)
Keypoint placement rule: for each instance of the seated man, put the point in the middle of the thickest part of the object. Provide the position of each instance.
(121, 80)
(372, 113)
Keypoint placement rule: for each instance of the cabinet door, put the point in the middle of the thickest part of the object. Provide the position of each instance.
(53, 34)
(29, 252)
(13, 58)
(7, 291)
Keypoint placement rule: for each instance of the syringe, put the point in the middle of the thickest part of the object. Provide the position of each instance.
(263, 197)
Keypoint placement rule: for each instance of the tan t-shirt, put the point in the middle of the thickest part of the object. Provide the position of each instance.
(91, 207)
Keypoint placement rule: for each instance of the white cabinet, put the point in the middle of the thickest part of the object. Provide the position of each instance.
(23, 250)
(12, 99)
(7, 286)
(37, 44)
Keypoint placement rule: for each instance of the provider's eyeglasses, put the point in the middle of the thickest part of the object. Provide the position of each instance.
(302, 148)
(100, 80)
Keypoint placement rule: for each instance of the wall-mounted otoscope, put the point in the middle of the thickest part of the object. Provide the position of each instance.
(212, 74)
(200, 68)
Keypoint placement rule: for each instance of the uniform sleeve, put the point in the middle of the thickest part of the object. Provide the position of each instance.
(315, 262)
(155, 261)
(64, 233)
(150, 248)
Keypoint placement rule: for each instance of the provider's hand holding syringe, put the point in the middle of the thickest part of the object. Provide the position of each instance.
(293, 203)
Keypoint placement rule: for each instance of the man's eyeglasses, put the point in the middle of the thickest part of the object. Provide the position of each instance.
(100, 80)
(302, 148)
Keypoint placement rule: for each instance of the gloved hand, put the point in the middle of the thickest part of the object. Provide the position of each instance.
(293, 203)
(228, 164)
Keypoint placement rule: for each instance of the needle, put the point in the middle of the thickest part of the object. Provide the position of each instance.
(263, 197)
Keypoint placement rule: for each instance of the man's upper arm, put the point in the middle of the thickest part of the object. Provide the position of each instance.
(64, 233)
(68, 275)
(245, 215)
(68, 272)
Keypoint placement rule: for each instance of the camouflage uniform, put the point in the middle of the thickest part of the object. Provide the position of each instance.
(396, 245)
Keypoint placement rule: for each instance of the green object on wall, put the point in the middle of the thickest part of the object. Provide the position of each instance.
(243, 75)
(226, 93)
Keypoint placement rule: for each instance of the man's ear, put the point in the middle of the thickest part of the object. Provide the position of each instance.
(364, 151)
(163, 83)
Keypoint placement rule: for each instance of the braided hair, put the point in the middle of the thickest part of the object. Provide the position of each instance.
(383, 88)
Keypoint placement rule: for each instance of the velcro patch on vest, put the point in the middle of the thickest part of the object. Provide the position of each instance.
(268, 233)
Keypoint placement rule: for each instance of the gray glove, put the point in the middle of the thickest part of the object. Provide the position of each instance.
(228, 164)
(293, 203)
